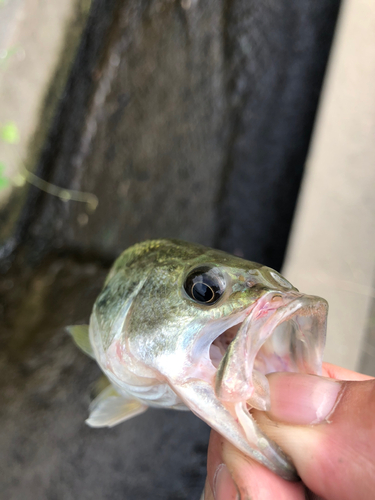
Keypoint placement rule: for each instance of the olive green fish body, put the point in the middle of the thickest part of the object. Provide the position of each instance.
(180, 325)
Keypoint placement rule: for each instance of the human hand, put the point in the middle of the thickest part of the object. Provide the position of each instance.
(328, 429)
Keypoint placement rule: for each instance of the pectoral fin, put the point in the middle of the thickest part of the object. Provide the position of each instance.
(110, 408)
(80, 334)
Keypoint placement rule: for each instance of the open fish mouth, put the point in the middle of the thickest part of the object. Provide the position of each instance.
(279, 332)
(282, 332)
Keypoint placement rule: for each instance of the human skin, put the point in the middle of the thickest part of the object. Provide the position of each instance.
(327, 426)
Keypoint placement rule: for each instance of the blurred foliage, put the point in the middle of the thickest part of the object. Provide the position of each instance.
(4, 181)
(9, 133)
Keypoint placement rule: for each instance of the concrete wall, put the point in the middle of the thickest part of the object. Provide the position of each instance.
(332, 248)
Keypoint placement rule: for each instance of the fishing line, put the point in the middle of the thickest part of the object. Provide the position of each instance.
(64, 194)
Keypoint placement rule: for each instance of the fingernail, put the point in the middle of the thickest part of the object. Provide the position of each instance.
(302, 399)
(224, 486)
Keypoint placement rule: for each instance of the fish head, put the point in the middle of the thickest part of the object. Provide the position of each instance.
(210, 326)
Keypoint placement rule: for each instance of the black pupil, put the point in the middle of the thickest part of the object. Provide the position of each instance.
(202, 292)
(202, 287)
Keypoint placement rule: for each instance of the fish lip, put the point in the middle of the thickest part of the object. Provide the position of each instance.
(311, 332)
(281, 332)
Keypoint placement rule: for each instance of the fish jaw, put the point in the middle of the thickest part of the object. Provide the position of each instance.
(236, 424)
(281, 332)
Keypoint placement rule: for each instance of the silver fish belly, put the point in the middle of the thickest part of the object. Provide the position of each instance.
(178, 325)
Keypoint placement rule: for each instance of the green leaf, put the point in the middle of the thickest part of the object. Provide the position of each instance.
(9, 133)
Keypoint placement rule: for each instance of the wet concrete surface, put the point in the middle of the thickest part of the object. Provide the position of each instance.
(47, 451)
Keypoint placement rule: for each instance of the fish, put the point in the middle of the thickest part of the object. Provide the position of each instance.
(182, 326)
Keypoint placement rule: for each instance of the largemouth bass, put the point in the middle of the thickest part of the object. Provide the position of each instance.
(178, 325)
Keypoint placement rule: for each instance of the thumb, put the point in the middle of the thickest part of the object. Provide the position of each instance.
(328, 429)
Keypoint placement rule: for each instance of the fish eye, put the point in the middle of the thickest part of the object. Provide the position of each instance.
(204, 286)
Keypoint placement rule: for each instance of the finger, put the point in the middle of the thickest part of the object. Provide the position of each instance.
(335, 455)
(337, 372)
(233, 476)
(311, 496)
(219, 476)
(207, 493)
